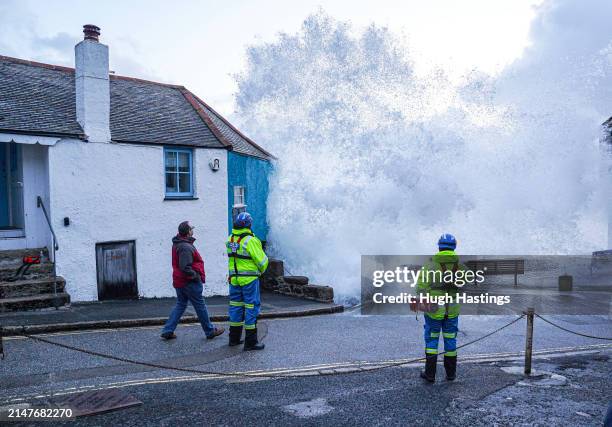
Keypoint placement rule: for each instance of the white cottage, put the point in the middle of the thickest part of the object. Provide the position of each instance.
(117, 163)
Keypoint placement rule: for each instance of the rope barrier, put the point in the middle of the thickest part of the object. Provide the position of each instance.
(383, 365)
(245, 374)
(572, 332)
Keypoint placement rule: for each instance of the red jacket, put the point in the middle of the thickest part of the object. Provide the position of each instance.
(187, 263)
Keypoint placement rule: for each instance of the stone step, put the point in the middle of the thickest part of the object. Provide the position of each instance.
(34, 302)
(26, 288)
(296, 280)
(35, 271)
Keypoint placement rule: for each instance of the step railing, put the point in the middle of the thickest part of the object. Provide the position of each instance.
(41, 205)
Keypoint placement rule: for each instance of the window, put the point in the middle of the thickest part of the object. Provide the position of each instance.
(239, 200)
(179, 172)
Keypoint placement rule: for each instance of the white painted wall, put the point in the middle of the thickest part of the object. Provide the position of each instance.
(114, 192)
(35, 183)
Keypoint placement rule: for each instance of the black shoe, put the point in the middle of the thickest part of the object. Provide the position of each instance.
(235, 333)
(168, 335)
(429, 373)
(426, 378)
(250, 341)
(450, 365)
(216, 332)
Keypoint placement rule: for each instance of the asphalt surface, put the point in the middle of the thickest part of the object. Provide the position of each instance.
(485, 394)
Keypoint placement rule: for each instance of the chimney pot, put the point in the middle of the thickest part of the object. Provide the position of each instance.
(91, 32)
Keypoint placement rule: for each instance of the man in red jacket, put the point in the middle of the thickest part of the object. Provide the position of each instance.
(187, 278)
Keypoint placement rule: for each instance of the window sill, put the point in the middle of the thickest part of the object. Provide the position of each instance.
(171, 198)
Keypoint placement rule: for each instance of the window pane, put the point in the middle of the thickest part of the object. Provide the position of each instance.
(171, 183)
(183, 162)
(170, 161)
(238, 195)
(184, 183)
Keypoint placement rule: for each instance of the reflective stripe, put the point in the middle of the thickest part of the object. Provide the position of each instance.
(246, 273)
(451, 353)
(249, 326)
(236, 323)
(232, 255)
(449, 334)
(263, 262)
(249, 305)
(236, 303)
(434, 334)
(431, 350)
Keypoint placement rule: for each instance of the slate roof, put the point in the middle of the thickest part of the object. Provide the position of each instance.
(240, 143)
(157, 114)
(37, 99)
(40, 99)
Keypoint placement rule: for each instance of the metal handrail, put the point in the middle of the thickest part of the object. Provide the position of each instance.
(40, 204)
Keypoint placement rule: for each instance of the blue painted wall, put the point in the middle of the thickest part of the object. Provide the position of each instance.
(4, 205)
(251, 173)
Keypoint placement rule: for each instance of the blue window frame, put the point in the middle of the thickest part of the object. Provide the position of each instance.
(178, 170)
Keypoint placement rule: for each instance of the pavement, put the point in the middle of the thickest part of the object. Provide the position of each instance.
(143, 312)
(336, 374)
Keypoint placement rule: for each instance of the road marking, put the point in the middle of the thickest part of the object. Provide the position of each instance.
(313, 370)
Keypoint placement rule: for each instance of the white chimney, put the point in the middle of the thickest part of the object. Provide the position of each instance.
(92, 86)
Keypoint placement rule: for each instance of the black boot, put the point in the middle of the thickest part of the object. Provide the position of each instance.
(429, 374)
(450, 364)
(235, 333)
(250, 340)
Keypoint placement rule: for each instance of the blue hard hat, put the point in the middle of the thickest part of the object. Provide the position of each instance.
(243, 220)
(447, 241)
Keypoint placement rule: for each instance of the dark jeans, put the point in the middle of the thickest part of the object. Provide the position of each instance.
(192, 292)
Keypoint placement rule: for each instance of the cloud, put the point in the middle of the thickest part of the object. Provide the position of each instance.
(21, 37)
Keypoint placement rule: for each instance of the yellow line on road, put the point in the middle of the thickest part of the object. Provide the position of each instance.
(311, 370)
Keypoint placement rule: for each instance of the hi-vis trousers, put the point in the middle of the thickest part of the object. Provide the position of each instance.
(448, 327)
(244, 304)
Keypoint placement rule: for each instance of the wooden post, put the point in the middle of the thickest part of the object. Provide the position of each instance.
(529, 341)
(516, 272)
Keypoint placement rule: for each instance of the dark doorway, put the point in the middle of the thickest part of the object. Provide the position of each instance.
(116, 267)
(11, 190)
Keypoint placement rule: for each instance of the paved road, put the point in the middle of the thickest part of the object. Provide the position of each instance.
(387, 396)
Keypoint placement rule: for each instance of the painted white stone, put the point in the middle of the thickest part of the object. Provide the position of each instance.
(92, 90)
(115, 192)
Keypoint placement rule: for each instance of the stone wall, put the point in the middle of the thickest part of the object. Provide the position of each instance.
(298, 286)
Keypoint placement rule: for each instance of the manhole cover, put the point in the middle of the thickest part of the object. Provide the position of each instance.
(96, 402)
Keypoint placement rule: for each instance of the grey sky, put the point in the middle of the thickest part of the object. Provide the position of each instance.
(201, 44)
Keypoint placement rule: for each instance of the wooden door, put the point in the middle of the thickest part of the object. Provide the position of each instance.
(116, 267)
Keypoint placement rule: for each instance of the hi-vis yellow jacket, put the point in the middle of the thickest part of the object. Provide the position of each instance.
(443, 261)
(247, 260)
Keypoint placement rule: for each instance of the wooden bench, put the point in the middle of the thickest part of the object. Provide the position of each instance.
(601, 260)
(498, 267)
